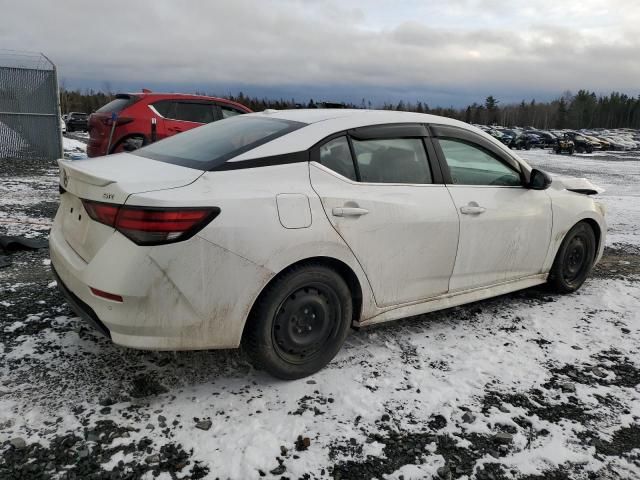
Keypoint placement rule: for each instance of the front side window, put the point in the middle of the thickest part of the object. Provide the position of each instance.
(335, 155)
(396, 160)
(211, 145)
(473, 165)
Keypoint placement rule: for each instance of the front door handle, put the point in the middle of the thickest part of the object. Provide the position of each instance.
(472, 209)
(349, 211)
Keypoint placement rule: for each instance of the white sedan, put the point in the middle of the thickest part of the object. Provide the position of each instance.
(281, 230)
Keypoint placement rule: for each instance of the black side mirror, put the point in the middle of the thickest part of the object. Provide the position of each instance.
(539, 180)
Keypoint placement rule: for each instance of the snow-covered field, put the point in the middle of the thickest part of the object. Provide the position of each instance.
(528, 385)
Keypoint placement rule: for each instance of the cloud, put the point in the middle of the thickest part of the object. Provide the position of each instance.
(484, 46)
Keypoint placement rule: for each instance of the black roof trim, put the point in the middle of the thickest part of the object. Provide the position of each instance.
(394, 130)
(283, 159)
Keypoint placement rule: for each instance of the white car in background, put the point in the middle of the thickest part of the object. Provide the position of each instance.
(280, 230)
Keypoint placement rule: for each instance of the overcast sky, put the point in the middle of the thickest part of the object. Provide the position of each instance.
(441, 52)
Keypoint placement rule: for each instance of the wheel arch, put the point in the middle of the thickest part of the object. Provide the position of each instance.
(595, 226)
(127, 136)
(596, 230)
(344, 270)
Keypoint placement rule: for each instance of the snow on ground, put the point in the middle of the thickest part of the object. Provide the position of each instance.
(75, 146)
(528, 385)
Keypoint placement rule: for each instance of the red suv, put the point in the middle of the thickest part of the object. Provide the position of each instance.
(134, 114)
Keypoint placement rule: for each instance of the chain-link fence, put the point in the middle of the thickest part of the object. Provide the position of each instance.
(29, 107)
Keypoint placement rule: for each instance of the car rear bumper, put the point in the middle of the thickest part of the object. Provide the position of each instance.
(80, 308)
(189, 295)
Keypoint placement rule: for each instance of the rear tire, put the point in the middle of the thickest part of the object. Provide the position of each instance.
(129, 144)
(574, 259)
(299, 322)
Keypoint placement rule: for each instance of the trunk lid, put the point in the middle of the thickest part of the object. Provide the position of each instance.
(110, 180)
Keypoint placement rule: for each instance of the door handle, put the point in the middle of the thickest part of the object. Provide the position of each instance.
(348, 211)
(472, 209)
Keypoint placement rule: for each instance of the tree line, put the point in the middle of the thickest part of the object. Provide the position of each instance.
(582, 110)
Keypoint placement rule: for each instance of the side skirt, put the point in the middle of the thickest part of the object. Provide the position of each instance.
(455, 299)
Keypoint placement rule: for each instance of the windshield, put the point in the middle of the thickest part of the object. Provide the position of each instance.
(212, 145)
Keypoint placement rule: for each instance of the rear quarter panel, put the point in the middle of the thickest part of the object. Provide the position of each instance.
(249, 227)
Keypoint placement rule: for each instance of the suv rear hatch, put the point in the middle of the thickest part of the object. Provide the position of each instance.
(101, 121)
(110, 181)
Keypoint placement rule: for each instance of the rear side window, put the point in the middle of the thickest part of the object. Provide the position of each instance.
(398, 160)
(117, 105)
(166, 108)
(194, 112)
(336, 156)
(211, 145)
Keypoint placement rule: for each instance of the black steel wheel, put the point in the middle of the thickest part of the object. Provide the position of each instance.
(574, 259)
(299, 322)
(305, 322)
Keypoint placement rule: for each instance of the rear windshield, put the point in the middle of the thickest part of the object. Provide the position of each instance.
(209, 146)
(117, 105)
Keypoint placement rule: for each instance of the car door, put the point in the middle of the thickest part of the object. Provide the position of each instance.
(505, 227)
(382, 195)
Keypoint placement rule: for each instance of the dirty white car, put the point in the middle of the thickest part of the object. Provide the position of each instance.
(279, 231)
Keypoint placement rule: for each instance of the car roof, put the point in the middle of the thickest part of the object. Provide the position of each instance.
(321, 123)
(169, 96)
(357, 117)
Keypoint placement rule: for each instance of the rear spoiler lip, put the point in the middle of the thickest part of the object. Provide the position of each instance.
(67, 168)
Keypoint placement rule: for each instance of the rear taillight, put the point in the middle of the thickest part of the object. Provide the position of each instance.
(119, 121)
(102, 212)
(150, 225)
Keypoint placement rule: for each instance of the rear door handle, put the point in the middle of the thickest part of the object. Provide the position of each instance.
(349, 211)
(472, 209)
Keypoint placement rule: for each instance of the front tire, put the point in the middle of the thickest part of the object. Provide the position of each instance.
(299, 322)
(574, 259)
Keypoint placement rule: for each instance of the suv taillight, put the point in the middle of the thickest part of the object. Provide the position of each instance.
(119, 121)
(151, 225)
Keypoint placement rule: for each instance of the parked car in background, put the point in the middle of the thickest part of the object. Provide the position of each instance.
(580, 142)
(596, 142)
(547, 139)
(525, 140)
(616, 143)
(134, 113)
(257, 231)
(63, 126)
(77, 121)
